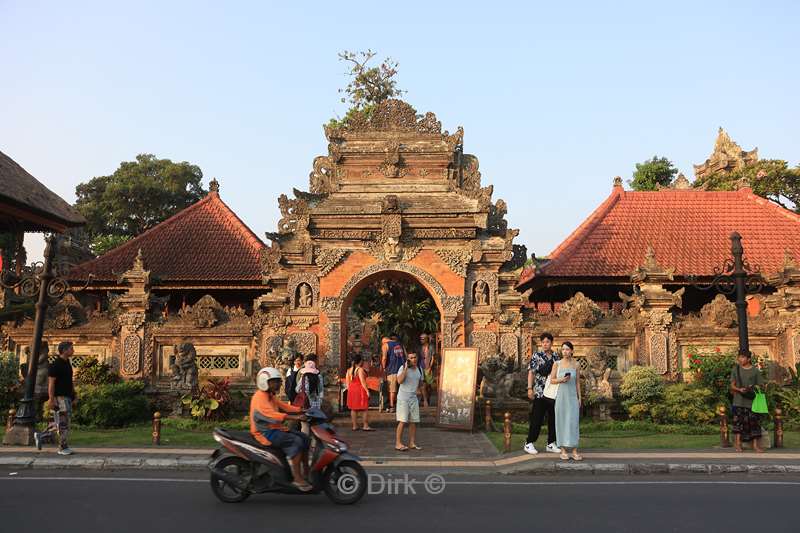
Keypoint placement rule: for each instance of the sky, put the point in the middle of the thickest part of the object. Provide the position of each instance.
(555, 98)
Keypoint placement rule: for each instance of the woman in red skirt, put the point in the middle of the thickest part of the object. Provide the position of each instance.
(357, 392)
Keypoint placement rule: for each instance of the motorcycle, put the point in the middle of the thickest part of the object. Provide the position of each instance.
(242, 466)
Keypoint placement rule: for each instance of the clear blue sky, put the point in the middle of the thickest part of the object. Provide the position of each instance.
(555, 98)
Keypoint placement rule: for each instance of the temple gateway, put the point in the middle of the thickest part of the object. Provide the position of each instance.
(396, 198)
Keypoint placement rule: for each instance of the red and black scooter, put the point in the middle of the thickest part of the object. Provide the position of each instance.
(242, 466)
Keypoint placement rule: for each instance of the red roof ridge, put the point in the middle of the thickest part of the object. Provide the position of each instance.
(582, 231)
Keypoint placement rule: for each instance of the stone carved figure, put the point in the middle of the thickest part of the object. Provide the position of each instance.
(305, 296)
(184, 369)
(480, 294)
(596, 379)
(719, 312)
(498, 377)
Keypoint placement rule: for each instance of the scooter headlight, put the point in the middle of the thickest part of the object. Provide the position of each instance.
(337, 446)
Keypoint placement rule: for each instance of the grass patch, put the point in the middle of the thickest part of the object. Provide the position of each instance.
(175, 432)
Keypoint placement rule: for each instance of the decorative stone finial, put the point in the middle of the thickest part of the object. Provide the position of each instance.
(213, 186)
(617, 181)
(138, 262)
(681, 183)
(727, 157)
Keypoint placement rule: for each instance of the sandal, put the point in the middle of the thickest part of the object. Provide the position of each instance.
(367, 429)
(577, 456)
(302, 487)
(356, 429)
(401, 449)
(415, 447)
(564, 456)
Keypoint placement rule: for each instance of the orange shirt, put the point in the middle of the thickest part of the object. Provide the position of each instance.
(267, 412)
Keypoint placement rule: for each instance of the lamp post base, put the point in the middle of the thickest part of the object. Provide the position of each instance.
(19, 435)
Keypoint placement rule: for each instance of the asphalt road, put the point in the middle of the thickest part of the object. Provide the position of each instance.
(175, 502)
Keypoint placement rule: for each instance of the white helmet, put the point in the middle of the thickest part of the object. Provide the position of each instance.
(264, 375)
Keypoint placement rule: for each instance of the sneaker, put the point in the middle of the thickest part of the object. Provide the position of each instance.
(65, 451)
(37, 438)
(552, 448)
(530, 448)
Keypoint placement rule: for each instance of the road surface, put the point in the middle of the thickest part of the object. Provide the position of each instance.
(175, 502)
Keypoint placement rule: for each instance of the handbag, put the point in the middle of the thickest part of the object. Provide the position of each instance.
(760, 403)
(550, 389)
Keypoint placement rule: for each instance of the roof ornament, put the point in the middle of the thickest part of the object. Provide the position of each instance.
(681, 183)
(617, 181)
(213, 186)
(726, 157)
(651, 271)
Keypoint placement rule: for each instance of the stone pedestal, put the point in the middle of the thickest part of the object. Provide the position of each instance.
(19, 435)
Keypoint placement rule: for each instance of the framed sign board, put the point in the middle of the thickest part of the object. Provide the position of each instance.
(457, 382)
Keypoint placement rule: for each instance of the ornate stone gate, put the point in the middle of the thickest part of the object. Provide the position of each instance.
(395, 195)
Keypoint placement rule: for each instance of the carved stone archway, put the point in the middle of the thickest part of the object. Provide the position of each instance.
(335, 308)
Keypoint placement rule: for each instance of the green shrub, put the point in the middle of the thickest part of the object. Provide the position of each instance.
(642, 384)
(90, 371)
(113, 405)
(10, 384)
(685, 404)
(713, 370)
(213, 402)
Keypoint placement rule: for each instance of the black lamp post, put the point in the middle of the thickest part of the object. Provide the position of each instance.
(736, 276)
(43, 280)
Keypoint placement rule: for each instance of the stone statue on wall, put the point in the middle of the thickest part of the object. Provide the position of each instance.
(499, 376)
(480, 295)
(305, 298)
(184, 369)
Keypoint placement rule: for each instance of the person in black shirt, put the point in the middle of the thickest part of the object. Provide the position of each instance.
(61, 393)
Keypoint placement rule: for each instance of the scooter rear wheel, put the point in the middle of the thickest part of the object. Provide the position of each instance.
(345, 483)
(224, 491)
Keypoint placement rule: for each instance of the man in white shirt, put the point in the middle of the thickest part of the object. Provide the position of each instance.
(409, 379)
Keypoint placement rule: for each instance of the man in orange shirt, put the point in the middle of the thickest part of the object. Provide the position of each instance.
(267, 414)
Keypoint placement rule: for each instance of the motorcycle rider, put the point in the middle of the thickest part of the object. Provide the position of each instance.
(267, 414)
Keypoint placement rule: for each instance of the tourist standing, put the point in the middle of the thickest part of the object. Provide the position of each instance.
(291, 377)
(310, 390)
(394, 359)
(538, 370)
(61, 394)
(566, 374)
(409, 379)
(746, 424)
(357, 392)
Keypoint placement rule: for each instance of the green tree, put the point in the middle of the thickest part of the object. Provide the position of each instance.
(368, 86)
(770, 178)
(652, 173)
(405, 308)
(136, 197)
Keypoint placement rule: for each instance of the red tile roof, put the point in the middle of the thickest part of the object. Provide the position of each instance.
(205, 242)
(688, 230)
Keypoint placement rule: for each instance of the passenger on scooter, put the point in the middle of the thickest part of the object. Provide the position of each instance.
(267, 414)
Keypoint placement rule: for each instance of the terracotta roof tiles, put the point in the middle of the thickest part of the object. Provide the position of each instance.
(688, 229)
(205, 242)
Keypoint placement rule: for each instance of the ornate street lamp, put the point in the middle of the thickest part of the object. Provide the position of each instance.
(736, 276)
(48, 280)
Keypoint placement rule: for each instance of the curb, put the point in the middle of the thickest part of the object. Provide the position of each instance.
(189, 463)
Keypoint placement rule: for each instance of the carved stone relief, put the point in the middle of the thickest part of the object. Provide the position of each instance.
(206, 313)
(332, 306)
(131, 354)
(149, 350)
(581, 311)
(720, 312)
(303, 290)
(457, 259)
(483, 289)
(509, 345)
(658, 352)
(327, 259)
(332, 356)
(485, 342)
(305, 342)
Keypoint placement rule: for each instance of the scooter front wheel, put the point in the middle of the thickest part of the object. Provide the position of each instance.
(345, 483)
(235, 468)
